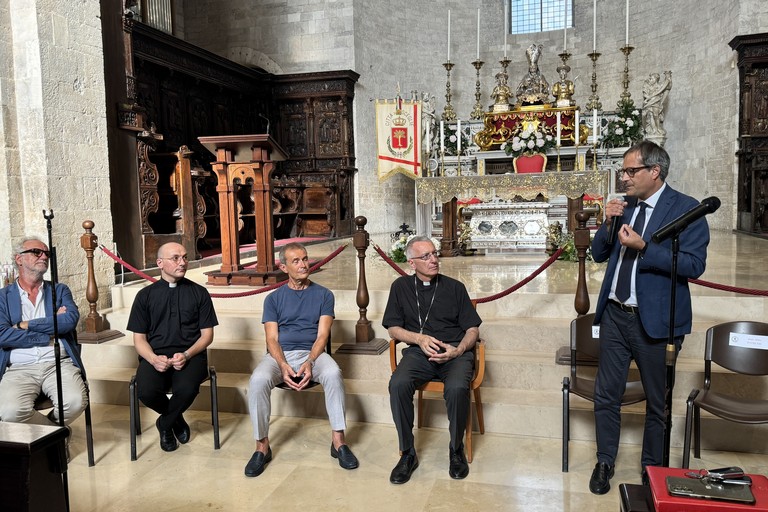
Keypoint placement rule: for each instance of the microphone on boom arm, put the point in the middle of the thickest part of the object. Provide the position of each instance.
(708, 205)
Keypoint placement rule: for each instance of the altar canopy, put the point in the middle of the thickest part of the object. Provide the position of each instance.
(398, 138)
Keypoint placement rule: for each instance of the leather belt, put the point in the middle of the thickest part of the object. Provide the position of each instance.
(624, 307)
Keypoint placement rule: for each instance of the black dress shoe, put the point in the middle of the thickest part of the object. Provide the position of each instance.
(258, 462)
(181, 430)
(404, 469)
(167, 440)
(644, 478)
(347, 459)
(458, 467)
(601, 476)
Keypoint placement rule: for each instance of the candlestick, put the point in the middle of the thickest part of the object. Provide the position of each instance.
(442, 137)
(478, 34)
(625, 95)
(448, 113)
(458, 136)
(558, 128)
(506, 26)
(626, 31)
(594, 99)
(477, 110)
(449, 35)
(594, 26)
(576, 128)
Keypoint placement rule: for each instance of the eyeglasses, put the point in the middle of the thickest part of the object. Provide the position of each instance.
(425, 257)
(37, 252)
(631, 171)
(177, 258)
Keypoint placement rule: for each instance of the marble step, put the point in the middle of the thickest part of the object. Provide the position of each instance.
(512, 412)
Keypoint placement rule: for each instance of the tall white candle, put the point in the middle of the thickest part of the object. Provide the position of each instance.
(565, 25)
(442, 137)
(594, 26)
(626, 30)
(449, 35)
(478, 34)
(595, 126)
(576, 129)
(458, 136)
(558, 128)
(506, 26)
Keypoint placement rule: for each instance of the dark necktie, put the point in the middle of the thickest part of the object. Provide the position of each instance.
(624, 282)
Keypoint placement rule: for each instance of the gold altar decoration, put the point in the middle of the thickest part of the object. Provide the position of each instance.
(510, 186)
(499, 127)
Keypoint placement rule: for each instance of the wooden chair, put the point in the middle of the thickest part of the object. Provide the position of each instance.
(583, 343)
(723, 348)
(42, 402)
(135, 421)
(437, 387)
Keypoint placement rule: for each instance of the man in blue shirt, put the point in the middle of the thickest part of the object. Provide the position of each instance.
(297, 322)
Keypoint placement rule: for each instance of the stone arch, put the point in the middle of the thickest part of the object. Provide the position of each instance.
(253, 59)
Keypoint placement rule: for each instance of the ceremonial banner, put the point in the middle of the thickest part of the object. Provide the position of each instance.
(398, 138)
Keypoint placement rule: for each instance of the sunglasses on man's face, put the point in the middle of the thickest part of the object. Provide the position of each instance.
(37, 252)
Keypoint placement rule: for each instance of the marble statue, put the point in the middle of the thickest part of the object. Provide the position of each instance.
(533, 88)
(428, 122)
(655, 91)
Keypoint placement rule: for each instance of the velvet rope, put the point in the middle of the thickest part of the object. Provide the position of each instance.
(499, 295)
(225, 295)
(728, 288)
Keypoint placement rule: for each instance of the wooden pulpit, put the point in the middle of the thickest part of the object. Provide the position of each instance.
(245, 160)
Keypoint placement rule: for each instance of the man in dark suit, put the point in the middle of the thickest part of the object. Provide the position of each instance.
(633, 308)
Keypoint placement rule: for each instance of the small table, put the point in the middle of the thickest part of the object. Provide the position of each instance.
(636, 498)
(33, 460)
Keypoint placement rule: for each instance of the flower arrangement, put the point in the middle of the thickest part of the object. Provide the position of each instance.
(397, 251)
(626, 129)
(556, 239)
(530, 140)
(452, 137)
(465, 235)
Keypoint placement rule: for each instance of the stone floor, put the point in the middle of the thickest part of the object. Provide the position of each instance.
(509, 473)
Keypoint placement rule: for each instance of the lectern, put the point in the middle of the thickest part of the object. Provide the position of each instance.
(245, 160)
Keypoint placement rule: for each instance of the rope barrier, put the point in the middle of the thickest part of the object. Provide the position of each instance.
(499, 295)
(225, 295)
(728, 288)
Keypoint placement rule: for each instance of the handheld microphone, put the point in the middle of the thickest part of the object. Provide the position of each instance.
(708, 205)
(613, 231)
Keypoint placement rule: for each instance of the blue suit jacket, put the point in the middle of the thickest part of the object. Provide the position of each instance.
(40, 330)
(653, 277)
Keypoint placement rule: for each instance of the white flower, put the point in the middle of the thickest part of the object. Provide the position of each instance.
(516, 140)
(503, 146)
(630, 123)
(540, 142)
(549, 138)
(452, 138)
(619, 131)
(531, 144)
(635, 113)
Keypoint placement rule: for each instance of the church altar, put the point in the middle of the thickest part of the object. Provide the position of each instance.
(497, 226)
(509, 186)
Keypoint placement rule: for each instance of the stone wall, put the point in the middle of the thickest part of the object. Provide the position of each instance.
(54, 132)
(404, 42)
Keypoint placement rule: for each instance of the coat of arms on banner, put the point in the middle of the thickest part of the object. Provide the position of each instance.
(398, 137)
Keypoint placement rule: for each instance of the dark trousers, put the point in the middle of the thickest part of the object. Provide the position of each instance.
(622, 338)
(414, 370)
(153, 387)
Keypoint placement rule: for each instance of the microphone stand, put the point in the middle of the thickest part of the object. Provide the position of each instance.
(56, 346)
(671, 354)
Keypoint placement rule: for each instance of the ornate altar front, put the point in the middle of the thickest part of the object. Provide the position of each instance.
(514, 186)
(499, 127)
(500, 225)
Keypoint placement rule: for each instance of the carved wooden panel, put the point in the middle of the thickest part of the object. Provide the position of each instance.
(752, 184)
